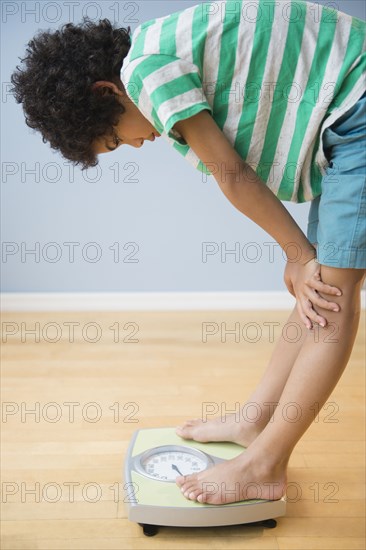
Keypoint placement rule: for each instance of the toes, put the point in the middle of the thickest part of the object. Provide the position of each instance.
(188, 485)
(193, 495)
(181, 431)
(189, 423)
(180, 480)
(190, 490)
(185, 431)
(187, 489)
(206, 498)
(185, 481)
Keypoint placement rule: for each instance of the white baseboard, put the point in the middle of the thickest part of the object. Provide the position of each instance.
(147, 301)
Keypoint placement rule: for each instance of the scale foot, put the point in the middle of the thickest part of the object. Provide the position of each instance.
(149, 530)
(152, 530)
(268, 523)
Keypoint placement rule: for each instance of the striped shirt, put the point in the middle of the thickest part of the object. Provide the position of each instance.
(272, 74)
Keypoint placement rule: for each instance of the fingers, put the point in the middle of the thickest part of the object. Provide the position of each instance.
(303, 317)
(317, 300)
(309, 291)
(312, 315)
(323, 303)
(317, 284)
(309, 315)
(308, 303)
(306, 311)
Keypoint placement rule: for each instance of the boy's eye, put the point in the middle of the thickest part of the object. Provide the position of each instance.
(117, 141)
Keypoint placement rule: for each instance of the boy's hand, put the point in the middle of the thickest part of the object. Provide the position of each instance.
(303, 282)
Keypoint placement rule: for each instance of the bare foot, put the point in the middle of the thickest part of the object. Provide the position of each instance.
(227, 428)
(242, 478)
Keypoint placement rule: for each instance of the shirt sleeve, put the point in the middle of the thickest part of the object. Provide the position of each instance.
(166, 89)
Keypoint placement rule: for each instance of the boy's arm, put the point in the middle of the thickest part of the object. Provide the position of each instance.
(249, 194)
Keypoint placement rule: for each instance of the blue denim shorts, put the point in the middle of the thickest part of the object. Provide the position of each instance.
(337, 217)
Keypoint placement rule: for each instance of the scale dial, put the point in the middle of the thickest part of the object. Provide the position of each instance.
(167, 462)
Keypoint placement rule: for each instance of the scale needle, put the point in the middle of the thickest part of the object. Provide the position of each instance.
(176, 469)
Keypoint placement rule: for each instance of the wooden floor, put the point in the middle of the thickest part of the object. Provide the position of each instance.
(62, 463)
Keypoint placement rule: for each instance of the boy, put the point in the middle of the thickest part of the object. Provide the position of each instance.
(231, 86)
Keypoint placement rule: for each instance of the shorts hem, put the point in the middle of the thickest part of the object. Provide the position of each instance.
(332, 256)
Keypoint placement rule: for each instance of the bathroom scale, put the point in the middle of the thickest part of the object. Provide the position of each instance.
(155, 457)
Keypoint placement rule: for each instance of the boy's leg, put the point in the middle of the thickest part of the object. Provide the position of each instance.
(243, 430)
(260, 471)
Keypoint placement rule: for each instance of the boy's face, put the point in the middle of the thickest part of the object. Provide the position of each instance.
(132, 129)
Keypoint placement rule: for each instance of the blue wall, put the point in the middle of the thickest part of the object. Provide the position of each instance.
(139, 221)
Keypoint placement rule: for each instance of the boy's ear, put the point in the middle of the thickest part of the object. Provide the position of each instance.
(105, 87)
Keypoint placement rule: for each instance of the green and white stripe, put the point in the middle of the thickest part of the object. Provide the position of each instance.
(273, 75)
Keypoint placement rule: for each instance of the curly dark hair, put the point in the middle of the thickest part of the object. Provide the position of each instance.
(55, 85)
